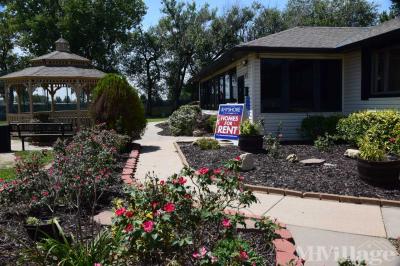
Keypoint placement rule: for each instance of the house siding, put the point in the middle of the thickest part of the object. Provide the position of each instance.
(352, 88)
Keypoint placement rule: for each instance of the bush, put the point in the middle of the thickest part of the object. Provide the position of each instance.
(313, 127)
(207, 144)
(324, 143)
(118, 105)
(212, 121)
(161, 226)
(183, 121)
(370, 147)
(354, 127)
(247, 128)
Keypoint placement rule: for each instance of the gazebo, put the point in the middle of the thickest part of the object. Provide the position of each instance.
(55, 72)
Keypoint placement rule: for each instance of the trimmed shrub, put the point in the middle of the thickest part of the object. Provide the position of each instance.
(183, 121)
(354, 127)
(117, 104)
(212, 120)
(248, 128)
(313, 127)
(207, 144)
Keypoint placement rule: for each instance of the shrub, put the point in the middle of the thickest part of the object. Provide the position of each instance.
(370, 148)
(247, 128)
(183, 121)
(117, 104)
(212, 121)
(324, 143)
(349, 262)
(353, 128)
(160, 224)
(313, 127)
(207, 144)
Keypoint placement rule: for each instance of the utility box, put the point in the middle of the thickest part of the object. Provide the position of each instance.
(5, 139)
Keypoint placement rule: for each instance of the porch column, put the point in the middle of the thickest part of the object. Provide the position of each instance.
(6, 99)
(52, 92)
(19, 100)
(78, 91)
(30, 91)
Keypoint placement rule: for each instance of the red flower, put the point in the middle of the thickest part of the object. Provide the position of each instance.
(169, 207)
(238, 158)
(203, 171)
(241, 178)
(392, 140)
(129, 214)
(128, 228)
(182, 180)
(120, 211)
(201, 254)
(34, 198)
(226, 223)
(45, 193)
(1, 180)
(162, 182)
(148, 226)
(243, 255)
(154, 204)
(188, 196)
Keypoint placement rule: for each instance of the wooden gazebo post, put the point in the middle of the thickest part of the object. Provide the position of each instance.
(30, 92)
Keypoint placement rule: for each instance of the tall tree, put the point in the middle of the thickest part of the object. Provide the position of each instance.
(336, 13)
(180, 31)
(142, 62)
(267, 21)
(94, 28)
(393, 12)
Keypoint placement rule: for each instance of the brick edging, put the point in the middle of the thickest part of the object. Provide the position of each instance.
(300, 194)
(130, 167)
(285, 246)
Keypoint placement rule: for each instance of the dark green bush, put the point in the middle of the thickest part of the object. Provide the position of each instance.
(207, 144)
(117, 104)
(354, 127)
(313, 127)
(183, 121)
(212, 120)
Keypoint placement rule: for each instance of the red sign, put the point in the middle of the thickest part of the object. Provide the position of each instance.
(228, 121)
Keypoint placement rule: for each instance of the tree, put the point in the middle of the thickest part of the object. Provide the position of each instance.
(94, 28)
(180, 31)
(393, 12)
(268, 21)
(142, 61)
(334, 13)
(117, 104)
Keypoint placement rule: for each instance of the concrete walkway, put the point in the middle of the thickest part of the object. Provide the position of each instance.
(325, 231)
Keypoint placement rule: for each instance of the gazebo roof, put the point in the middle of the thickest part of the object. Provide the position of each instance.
(59, 64)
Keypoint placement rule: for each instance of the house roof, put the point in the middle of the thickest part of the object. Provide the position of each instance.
(58, 55)
(305, 39)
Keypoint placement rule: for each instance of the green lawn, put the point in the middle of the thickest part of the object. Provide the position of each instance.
(3, 122)
(157, 119)
(9, 173)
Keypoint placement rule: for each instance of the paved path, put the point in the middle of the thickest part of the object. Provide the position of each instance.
(325, 231)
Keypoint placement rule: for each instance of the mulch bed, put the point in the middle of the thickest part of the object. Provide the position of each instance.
(165, 129)
(341, 178)
(396, 243)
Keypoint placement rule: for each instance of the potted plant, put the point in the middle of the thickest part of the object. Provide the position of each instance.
(250, 138)
(38, 229)
(378, 163)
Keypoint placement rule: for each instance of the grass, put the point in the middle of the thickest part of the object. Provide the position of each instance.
(9, 173)
(156, 119)
(3, 123)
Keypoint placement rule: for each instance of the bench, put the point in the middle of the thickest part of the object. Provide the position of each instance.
(24, 130)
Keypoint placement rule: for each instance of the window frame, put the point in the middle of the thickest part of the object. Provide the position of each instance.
(285, 99)
(374, 75)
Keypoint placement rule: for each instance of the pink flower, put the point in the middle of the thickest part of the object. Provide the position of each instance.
(162, 182)
(203, 171)
(182, 180)
(45, 193)
(243, 255)
(201, 254)
(196, 255)
(34, 198)
(241, 178)
(237, 158)
(203, 251)
(148, 226)
(129, 214)
(154, 204)
(1, 180)
(128, 228)
(169, 207)
(226, 223)
(217, 171)
(120, 211)
(97, 264)
(392, 140)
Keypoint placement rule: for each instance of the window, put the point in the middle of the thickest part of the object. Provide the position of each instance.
(385, 72)
(218, 90)
(291, 85)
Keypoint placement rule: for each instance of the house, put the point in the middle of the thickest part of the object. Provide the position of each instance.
(306, 71)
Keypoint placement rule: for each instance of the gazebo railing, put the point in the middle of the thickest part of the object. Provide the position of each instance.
(76, 118)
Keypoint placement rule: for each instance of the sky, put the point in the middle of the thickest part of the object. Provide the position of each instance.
(154, 13)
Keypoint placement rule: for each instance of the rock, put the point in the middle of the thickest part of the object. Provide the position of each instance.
(329, 165)
(352, 153)
(292, 158)
(199, 133)
(247, 162)
(312, 161)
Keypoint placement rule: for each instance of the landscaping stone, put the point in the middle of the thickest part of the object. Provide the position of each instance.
(292, 158)
(199, 133)
(312, 161)
(352, 153)
(104, 218)
(329, 165)
(247, 162)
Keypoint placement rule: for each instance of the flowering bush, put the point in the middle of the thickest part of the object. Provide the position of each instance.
(170, 221)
